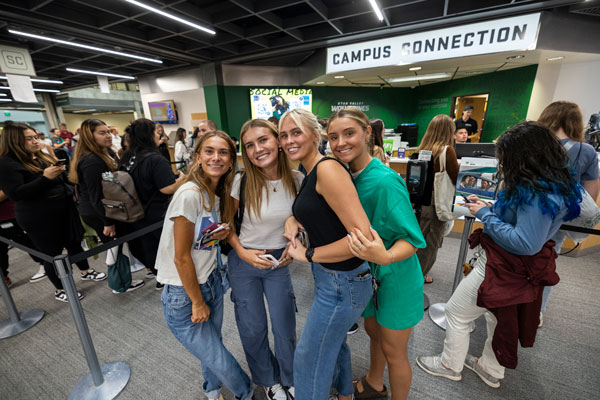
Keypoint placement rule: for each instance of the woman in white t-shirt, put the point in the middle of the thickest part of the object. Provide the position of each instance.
(181, 153)
(267, 191)
(187, 265)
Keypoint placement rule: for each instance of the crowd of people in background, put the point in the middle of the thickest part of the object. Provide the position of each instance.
(347, 214)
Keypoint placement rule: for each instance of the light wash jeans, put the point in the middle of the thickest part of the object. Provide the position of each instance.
(203, 340)
(461, 310)
(249, 287)
(559, 238)
(322, 358)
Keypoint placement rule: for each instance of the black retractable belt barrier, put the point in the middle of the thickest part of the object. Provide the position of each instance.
(103, 382)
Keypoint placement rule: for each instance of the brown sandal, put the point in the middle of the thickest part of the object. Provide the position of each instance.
(368, 391)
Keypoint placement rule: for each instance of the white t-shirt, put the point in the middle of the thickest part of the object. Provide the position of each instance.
(116, 142)
(267, 232)
(187, 202)
(181, 152)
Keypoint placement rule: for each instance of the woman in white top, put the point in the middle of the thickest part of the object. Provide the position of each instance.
(181, 153)
(187, 265)
(264, 196)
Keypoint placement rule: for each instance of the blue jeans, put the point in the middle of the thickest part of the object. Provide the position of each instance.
(248, 286)
(203, 340)
(322, 358)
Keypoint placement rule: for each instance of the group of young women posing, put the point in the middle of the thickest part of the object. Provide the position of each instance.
(350, 217)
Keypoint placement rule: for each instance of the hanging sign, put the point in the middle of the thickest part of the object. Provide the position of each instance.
(16, 60)
(507, 34)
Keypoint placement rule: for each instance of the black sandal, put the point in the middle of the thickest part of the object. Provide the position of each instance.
(368, 391)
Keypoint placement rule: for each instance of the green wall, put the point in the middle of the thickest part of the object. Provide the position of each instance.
(509, 91)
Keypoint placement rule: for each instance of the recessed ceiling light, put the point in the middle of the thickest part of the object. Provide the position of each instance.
(320, 83)
(39, 80)
(85, 71)
(171, 16)
(415, 69)
(515, 57)
(339, 77)
(420, 77)
(85, 46)
(555, 58)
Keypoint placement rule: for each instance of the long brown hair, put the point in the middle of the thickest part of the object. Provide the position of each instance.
(12, 142)
(87, 145)
(439, 134)
(256, 180)
(196, 175)
(565, 115)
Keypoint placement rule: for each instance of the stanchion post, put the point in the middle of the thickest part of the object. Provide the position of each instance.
(101, 383)
(18, 322)
(437, 311)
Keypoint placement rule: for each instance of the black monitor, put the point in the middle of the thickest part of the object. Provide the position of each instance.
(475, 150)
(409, 132)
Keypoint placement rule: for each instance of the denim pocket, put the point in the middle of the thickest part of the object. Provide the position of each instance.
(361, 290)
(178, 300)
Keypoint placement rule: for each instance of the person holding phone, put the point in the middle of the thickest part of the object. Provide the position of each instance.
(94, 157)
(538, 195)
(328, 207)
(258, 263)
(44, 204)
(193, 293)
(397, 303)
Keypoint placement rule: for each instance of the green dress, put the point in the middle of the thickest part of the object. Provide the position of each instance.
(385, 199)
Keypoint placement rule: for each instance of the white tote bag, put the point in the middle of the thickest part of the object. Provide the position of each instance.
(443, 191)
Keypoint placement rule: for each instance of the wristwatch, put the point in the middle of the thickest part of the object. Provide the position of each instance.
(309, 253)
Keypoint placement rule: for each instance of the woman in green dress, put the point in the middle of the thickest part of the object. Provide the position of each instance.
(397, 305)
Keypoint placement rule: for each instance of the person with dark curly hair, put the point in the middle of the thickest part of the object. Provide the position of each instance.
(538, 195)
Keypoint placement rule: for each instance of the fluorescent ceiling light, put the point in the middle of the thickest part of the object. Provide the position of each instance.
(415, 69)
(171, 16)
(2, 94)
(86, 71)
(375, 8)
(6, 99)
(82, 111)
(320, 83)
(39, 80)
(420, 77)
(85, 46)
(515, 57)
(35, 90)
(555, 58)
(339, 77)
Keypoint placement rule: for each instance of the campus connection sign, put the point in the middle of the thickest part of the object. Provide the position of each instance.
(507, 34)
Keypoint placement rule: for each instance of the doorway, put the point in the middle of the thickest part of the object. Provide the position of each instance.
(479, 102)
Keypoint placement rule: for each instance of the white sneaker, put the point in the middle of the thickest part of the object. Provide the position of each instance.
(41, 274)
(291, 392)
(541, 319)
(275, 392)
(135, 284)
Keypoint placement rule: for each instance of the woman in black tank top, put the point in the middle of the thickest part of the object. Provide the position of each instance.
(328, 207)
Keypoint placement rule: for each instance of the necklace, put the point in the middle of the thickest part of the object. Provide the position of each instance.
(274, 185)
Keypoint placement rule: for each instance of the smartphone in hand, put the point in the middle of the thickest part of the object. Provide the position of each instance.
(270, 258)
(61, 162)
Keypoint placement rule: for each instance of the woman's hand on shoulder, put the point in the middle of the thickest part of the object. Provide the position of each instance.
(368, 250)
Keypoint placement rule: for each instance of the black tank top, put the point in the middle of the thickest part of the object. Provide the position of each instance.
(321, 223)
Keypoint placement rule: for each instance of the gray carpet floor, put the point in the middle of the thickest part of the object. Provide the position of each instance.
(46, 361)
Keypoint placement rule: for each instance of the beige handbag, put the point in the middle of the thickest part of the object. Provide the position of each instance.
(443, 191)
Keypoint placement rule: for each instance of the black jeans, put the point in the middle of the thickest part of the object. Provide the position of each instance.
(10, 229)
(50, 228)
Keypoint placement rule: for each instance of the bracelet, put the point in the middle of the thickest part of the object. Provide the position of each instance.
(392, 254)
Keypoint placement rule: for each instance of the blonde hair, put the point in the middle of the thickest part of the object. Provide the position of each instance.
(12, 141)
(87, 145)
(306, 121)
(439, 134)
(256, 181)
(223, 190)
(565, 115)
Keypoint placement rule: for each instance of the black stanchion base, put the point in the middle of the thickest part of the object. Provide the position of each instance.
(116, 376)
(29, 318)
(426, 301)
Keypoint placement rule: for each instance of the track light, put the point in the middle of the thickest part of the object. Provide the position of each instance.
(85, 71)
